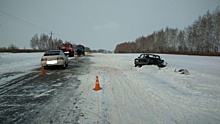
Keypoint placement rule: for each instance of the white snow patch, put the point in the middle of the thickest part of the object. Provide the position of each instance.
(46, 93)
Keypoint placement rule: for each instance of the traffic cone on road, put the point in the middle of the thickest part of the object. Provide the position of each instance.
(97, 87)
(75, 57)
(42, 71)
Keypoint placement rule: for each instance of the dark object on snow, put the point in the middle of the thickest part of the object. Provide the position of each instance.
(80, 50)
(149, 59)
(182, 71)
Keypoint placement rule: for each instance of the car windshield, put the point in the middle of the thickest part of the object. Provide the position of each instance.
(145, 56)
(51, 53)
(141, 56)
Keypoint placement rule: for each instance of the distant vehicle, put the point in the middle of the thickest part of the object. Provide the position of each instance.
(54, 58)
(67, 48)
(80, 50)
(149, 59)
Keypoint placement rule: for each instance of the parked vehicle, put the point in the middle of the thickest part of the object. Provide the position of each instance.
(149, 59)
(67, 48)
(54, 58)
(80, 50)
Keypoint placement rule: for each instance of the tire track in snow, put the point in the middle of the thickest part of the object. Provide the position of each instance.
(90, 104)
(118, 83)
(63, 108)
(10, 85)
(130, 83)
(111, 99)
(166, 106)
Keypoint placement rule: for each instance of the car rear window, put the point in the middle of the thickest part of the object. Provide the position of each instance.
(52, 53)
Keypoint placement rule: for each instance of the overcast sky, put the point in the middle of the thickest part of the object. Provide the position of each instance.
(98, 24)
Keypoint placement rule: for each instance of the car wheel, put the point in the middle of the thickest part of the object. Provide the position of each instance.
(140, 66)
(64, 65)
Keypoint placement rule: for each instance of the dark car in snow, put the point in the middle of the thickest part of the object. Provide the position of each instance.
(149, 59)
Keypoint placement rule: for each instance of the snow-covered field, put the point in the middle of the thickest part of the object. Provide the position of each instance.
(139, 95)
(19, 61)
(149, 95)
(13, 65)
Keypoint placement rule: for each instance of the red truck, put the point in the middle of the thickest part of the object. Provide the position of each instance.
(67, 48)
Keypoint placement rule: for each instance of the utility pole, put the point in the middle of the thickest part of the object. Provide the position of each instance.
(51, 41)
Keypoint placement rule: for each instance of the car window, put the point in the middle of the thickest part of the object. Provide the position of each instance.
(151, 56)
(157, 57)
(141, 56)
(51, 53)
(62, 54)
(146, 56)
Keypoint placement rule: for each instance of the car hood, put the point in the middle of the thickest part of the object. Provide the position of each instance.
(139, 58)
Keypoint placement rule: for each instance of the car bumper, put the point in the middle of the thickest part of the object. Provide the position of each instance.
(140, 62)
(52, 63)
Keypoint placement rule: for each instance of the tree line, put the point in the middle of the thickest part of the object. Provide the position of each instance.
(10, 47)
(202, 37)
(44, 42)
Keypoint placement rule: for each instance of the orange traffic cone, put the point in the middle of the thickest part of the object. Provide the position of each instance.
(42, 71)
(97, 87)
(75, 58)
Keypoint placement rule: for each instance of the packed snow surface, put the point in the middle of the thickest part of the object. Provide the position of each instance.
(144, 95)
(152, 95)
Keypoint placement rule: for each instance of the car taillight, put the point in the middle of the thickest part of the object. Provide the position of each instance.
(43, 59)
(60, 58)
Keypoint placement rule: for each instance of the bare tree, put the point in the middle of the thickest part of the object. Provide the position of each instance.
(34, 42)
(56, 43)
(44, 42)
(12, 47)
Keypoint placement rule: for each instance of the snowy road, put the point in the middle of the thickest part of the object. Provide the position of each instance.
(27, 97)
(129, 95)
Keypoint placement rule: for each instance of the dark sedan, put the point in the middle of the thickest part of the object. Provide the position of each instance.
(149, 59)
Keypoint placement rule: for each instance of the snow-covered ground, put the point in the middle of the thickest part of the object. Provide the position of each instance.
(13, 65)
(139, 95)
(19, 61)
(149, 95)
